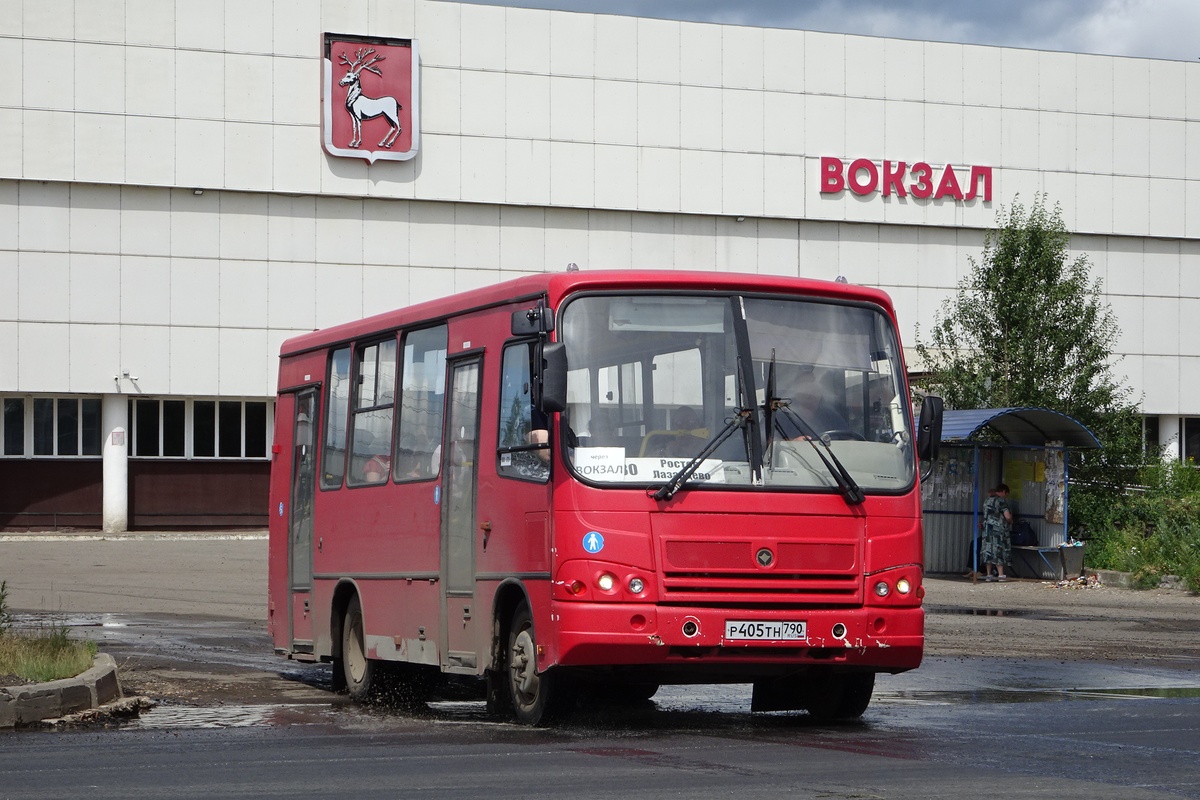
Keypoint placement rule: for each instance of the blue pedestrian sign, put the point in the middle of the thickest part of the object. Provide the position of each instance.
(593, 542)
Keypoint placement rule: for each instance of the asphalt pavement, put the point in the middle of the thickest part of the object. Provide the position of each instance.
(208, 574)
(224, 575)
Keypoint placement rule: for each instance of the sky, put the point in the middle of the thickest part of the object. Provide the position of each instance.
(1143, 28)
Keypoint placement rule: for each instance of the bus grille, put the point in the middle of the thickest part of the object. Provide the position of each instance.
(772, 589)
(807, 574)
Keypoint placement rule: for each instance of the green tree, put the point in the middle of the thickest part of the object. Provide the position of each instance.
(1028, 327)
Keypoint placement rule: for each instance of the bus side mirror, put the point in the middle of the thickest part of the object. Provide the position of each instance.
(553, 377)
(929, 428)
(539, 319)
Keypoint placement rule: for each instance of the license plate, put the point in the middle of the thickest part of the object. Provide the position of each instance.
(764, 630)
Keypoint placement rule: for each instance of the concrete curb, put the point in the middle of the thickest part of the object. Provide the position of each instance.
(1124, 580)
(139, 536)
(32, 703)
(1112, 578)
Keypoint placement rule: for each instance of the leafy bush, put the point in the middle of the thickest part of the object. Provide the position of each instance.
(1152, 532)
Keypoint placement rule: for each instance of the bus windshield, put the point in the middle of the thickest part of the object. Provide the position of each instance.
(655, 380)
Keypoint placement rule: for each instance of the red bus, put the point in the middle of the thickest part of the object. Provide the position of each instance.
(609, 480)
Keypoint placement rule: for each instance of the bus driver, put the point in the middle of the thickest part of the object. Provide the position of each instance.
(800, 384)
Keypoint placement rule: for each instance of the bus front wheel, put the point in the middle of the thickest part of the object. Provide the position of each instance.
(537, 698)
(840, 697)
(360, 672)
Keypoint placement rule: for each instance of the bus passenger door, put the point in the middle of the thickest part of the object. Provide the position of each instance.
(460, 459)
(300, 522)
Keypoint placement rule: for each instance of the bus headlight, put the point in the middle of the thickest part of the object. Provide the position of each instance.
(636, 586)
(606, 582)
(897, 588)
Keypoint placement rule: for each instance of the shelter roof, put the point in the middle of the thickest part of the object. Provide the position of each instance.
(1022, 426)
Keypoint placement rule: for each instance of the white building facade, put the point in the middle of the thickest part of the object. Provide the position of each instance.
(169, 215)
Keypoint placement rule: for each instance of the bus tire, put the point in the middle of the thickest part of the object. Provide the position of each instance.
(537, 698)
(619, 692)
(361, 674)
(498, 697)
(337, 675)
(840, 697)
(638, 691)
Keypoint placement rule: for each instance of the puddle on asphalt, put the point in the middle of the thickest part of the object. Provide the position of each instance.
(248, 716)
(43, 620)
(1055, 615)
(981, 612)
(1188, 692)
(999, 696)
(194, 717)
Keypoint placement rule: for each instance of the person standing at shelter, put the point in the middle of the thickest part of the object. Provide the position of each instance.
(995, 548)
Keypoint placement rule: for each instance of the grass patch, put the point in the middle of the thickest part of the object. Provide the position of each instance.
(42, 653)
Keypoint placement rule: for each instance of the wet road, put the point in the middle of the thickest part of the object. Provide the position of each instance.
(1090, 748)
(237, 721)
(1026, 691)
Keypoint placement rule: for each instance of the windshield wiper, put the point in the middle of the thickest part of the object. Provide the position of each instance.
(846, 483)
(668, 490)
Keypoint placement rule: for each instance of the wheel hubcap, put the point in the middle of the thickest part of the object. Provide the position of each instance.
(355, 658)
(523, 667)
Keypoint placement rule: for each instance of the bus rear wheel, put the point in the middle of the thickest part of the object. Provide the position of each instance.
(361, 674)
(537, 698)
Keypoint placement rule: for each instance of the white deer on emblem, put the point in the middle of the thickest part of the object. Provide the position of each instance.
(361, 107)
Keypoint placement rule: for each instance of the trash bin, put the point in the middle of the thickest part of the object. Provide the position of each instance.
(1072, 560)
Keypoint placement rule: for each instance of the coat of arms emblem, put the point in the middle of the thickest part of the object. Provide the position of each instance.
(370, 97)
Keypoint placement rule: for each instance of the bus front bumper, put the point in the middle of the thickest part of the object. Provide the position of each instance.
(883, 639)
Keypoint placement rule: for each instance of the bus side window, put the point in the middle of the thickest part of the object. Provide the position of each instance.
(333, 459)
(371, 421)
(422, 399)
(523, 448)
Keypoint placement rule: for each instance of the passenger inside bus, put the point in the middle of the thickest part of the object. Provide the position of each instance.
(414, 459)
(686, 420)
(602, 431)
(684, 437)
(376, 469)
(541, 438)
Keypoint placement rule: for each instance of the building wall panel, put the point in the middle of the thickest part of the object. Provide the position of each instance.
(45, 494)
(184, 494)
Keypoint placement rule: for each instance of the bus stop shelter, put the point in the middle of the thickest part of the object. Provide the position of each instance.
(1026, 448)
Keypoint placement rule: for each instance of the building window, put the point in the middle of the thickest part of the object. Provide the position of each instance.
(146, 429)
(1189, 440)
(14, 426)
(43, 426)
(1151, 449)
(174, 428)
(230, 434)
(51, 426)
(204, 428)
(198, 428)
